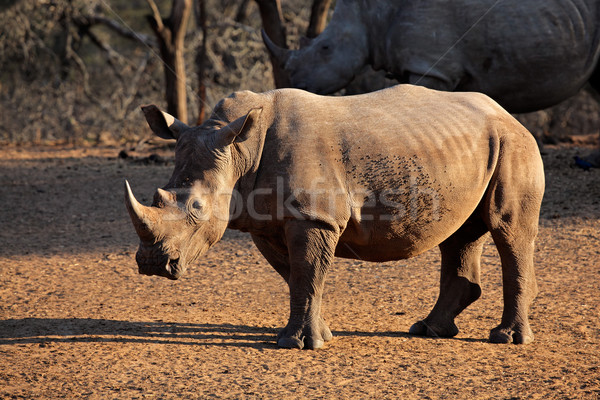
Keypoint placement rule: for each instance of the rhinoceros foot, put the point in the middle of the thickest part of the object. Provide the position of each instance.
(516, 335)
(307, 336)
(432, 329)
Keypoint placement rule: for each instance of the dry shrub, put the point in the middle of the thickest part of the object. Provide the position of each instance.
(93, 96)
(98, 102)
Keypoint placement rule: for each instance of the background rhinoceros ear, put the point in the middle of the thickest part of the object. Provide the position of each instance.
(239, 129)
(162, 124)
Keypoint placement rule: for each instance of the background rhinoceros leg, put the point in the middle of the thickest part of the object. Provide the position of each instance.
(430, 82)
(594, 90)
(459, 281)
(311, 248)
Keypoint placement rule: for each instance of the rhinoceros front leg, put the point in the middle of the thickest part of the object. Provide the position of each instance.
(459, 280)
(311, 249)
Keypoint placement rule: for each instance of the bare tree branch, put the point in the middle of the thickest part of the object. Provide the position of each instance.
(111, 54)
(133, 88)
(318, 17)
(242, 11)
(156, 15)
(201, 59)
(120, 29)
(170, 34)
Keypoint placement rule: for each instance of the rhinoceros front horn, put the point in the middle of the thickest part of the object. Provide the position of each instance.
(140, 215)
(279, 53)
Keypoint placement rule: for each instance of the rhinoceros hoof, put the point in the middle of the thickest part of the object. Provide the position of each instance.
(424, 328)
(290, 343)
(306, 337)
(508, 335)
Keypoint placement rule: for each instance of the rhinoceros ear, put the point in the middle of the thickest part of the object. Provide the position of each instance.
(238, 129)
(162, 124)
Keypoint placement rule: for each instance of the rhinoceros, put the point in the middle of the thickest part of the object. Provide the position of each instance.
(376, 177)
(526, 55)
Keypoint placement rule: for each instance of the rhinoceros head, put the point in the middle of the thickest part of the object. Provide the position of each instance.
(330, 61)
(192, 211)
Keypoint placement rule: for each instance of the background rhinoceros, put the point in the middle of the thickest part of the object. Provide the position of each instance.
(526, 55)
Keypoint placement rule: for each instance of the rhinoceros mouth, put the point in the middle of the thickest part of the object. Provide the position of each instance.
(173, 269)
(169, 269)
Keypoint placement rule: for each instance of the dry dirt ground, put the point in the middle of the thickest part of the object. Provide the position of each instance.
(77, 321)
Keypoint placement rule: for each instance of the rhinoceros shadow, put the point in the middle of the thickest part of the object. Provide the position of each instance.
(49, 330)
(45, 331)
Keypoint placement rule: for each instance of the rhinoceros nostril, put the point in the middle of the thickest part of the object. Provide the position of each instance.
(172, 269)
(174, 264)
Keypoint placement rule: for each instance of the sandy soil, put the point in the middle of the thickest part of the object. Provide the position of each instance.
(77, 321)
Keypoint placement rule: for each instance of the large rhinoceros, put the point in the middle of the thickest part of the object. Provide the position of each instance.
(526, 55)
(376, 177)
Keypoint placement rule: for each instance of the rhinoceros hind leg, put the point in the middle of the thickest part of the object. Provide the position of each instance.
(519, 288)
(459, 280)
(512, 216)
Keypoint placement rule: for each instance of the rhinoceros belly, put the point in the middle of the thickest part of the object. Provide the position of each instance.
(411, 196)
(400, 223)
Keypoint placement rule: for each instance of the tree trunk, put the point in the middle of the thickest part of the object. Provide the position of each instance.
(170, 33)
(200, 11)
(272, 21)
(242, 12)
(318, 18)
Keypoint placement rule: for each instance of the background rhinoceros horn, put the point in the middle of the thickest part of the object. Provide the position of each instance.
(140, 215)
(279, 53)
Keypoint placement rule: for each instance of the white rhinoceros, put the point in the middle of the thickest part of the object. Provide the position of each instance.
(376, 177)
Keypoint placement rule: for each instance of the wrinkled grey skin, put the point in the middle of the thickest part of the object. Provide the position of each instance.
(376, 177)
(526, 55)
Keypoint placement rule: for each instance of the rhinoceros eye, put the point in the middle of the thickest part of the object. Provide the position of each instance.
(197, 205)
(326, 48)
(197, 211)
